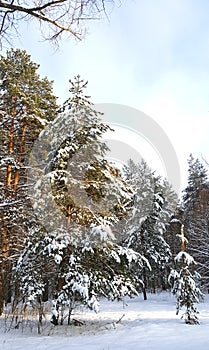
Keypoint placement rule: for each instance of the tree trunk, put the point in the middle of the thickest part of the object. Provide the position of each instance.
(144, 274)
(5, 244)
(3, 266)
(16, 176)
(68, 216)
(69, 315)
(10, 150)
(145, 283)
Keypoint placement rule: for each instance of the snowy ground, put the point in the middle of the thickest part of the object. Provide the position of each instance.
(150, 324)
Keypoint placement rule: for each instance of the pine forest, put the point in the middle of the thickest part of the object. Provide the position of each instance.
(74, 228)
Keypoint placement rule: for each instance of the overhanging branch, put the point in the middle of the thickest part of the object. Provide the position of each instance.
(35, 12)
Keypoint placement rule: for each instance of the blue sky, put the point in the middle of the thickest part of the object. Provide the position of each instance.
(151, 55)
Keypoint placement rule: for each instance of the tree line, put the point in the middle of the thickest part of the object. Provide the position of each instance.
(73, 227)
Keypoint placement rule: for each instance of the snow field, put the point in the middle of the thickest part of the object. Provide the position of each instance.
(149, 325)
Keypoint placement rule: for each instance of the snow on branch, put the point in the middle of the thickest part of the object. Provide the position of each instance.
(183, 256)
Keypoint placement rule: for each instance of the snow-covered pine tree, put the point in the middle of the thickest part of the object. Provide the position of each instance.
(72, 275)
(196, 216)
(145, 227)
(26, 105)
(197, 178)
(184, 282)
(82, 184)
(78, 255)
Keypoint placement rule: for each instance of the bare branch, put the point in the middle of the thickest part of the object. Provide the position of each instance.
(61, 16)
(33, 12)
(40, 8)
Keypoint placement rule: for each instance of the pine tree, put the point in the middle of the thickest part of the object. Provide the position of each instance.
(197, 178)
(184, 283)
(196, 217)
(71, 274)
(78, 196)
(150, 213)
(27, 104)
(82, 185)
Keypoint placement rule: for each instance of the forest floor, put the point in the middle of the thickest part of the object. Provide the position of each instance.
(130, 325)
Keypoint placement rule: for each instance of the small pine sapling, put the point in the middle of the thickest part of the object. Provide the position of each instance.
(184, 283)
